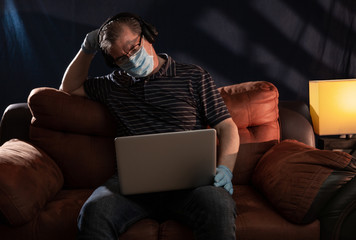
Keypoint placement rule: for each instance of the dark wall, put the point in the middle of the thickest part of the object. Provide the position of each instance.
(286, 42)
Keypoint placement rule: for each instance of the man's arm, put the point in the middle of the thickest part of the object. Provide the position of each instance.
(77, 71)
(76, 74)
(229, 142)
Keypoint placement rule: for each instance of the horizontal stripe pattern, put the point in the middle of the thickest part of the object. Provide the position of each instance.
(178, 97)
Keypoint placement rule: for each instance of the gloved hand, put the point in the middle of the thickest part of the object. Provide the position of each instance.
(90, 44)
(223, 178)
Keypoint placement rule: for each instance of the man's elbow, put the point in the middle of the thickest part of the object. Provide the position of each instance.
(61, 88)
(78, 92)
(227, 128)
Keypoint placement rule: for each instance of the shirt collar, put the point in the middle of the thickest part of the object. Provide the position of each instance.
(168, 69)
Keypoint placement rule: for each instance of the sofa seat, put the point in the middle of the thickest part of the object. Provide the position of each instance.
(256, 219)
(57, 219)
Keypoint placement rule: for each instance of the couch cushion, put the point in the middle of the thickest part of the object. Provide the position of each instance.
(254, 108)
(57, 110)
(77, 133)
(28, 179)
(143, 229)
(257, 219)
(247, 158)
(86, 161)
(299, 180)
(57, 220)
(173, 230)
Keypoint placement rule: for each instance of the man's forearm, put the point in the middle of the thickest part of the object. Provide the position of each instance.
(77, 72)
(229, 142)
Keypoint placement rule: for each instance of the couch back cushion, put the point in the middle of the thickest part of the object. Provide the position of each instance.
(77, 133)
(254, 108)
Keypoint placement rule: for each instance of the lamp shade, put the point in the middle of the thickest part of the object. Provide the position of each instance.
(333, 106)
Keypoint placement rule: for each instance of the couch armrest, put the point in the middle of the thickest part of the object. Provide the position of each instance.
(299, 180)
(337, 219)
(28, 179)
(295, 122)
(15, 122)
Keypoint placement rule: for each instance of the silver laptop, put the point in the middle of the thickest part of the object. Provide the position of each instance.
(166, 161)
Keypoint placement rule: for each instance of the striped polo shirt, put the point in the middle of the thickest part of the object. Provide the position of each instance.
(178, 97)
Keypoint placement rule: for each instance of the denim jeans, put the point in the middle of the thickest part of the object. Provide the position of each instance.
(208, 210)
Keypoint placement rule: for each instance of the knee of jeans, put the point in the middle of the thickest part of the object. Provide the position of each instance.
(113, 208)
(215, 198)
(96, 211)
(93, 208)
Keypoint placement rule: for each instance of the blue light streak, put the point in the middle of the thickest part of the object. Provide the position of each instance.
(16, 39)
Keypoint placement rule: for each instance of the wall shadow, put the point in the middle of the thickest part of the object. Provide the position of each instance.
(284, 42)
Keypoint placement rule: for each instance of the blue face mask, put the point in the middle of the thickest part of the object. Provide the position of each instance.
(139, 65)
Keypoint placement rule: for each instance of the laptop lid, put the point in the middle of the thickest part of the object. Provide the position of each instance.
(166, 161)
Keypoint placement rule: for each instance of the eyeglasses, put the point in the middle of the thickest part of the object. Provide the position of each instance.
(125, 58)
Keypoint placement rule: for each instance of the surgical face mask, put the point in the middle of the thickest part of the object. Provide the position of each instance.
(139, 65)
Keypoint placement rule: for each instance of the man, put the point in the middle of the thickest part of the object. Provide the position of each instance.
(151, 93)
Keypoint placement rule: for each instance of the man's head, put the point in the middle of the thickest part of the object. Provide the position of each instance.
(121, 36)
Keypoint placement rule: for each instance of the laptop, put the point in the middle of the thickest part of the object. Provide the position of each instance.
(166, 161)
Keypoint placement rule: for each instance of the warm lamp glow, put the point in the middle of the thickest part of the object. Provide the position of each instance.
(333, 106)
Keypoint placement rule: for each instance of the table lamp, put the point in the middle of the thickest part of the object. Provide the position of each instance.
(333, 106)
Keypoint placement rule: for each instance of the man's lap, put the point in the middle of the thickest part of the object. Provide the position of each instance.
(161, 206)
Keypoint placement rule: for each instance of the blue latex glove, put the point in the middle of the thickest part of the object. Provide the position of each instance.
(223, 178)
(90, 44)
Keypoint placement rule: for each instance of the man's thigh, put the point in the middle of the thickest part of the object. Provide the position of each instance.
(190, 205)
